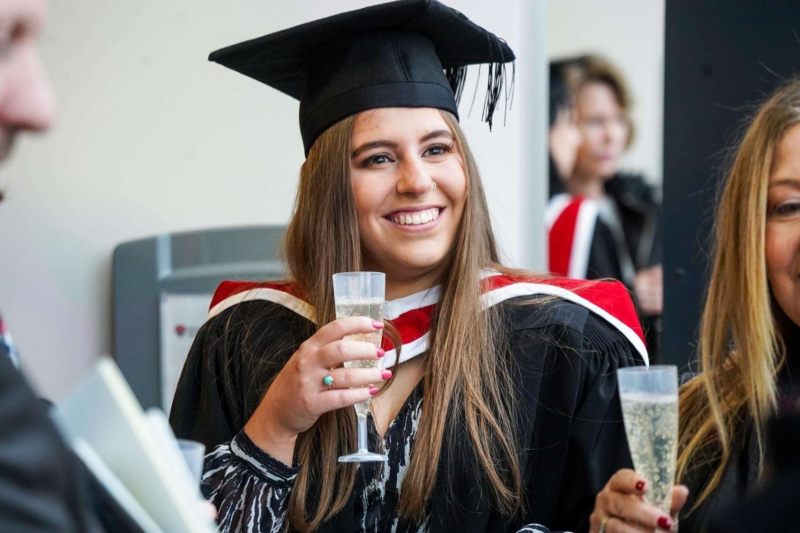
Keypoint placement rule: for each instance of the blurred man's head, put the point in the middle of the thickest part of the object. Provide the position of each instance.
(26, 103)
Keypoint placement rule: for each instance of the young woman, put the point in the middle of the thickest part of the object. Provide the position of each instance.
(501, 407)
(750, 331)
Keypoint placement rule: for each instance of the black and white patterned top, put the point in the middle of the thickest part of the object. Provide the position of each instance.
(251, 489)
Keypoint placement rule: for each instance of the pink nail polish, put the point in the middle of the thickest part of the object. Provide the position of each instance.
(377, 324)
(373, 391)
(665, 523)
(386, 374)
(381, 352)
(640, 485)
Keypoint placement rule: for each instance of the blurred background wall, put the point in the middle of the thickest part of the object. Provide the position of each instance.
(152, 138)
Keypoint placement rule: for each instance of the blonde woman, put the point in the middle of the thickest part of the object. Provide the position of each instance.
(750, 330)
(496, 403)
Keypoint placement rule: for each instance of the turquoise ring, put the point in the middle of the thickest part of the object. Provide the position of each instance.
(328, 380)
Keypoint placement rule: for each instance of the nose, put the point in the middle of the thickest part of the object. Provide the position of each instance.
(26, 101)
(415, 178)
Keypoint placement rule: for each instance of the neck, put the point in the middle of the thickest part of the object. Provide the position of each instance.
(587, 186)
(410, 283)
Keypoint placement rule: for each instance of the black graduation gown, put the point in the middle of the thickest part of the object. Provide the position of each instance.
(568, 415)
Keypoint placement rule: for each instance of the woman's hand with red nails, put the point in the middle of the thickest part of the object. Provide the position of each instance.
(621, 507)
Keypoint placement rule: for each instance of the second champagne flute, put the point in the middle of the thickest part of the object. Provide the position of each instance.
(361, 294)
(649, 397)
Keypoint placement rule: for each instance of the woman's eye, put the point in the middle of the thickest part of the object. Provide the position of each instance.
(786, 209)
(377, 159)
(438, 149)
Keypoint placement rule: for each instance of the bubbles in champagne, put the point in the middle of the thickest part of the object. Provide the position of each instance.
(651, 424)
(371, 308)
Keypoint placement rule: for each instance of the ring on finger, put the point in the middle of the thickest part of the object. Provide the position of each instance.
(328, 380)
(602, 528)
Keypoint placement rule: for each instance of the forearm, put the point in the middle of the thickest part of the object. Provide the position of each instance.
(265, 433)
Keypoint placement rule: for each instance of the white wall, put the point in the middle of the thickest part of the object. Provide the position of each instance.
(631, 34)
(152, 138)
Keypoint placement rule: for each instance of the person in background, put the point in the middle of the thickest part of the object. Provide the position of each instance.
(749, 346)
(601, 222)
(41, 484)
(496, 405)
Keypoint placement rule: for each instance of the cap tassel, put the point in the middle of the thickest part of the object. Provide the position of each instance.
(494, 89)
(456, 76)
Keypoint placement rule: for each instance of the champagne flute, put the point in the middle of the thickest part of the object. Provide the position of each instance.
(361, 294)
(649, 397)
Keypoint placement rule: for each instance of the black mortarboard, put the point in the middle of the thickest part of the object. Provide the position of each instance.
(411, 53)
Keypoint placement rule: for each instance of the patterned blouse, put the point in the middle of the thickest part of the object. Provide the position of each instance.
(269, 481)
(251, 488)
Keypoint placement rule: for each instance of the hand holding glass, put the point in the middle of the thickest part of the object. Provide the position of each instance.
(361, 294)
(650, 408)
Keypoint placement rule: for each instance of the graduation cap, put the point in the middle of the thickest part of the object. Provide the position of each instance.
(410, 53)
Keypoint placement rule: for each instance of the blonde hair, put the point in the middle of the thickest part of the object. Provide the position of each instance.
(740, 349)
(466, 378)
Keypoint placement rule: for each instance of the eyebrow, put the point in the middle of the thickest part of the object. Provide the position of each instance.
(787, 182)
(390, 144)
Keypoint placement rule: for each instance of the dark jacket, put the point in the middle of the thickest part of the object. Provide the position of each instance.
(42, 486)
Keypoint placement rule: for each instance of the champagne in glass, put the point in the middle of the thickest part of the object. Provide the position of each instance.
(372, 308)
(361, 294)
(649, 399)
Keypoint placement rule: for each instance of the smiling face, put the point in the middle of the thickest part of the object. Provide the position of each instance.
(783, 224)
(410, 188)
(604, 131)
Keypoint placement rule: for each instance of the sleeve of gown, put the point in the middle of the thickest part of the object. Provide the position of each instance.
(578, 437)
(231, 363)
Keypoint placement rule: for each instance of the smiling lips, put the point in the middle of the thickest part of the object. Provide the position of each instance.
(415, 218)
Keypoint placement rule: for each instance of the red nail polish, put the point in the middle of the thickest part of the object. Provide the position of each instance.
(373, 391)
(381, 352)
(386, 374)
(377, 324)
(665, 523)
(640, 486)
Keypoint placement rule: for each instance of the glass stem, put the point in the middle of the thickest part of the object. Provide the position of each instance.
(362, 433)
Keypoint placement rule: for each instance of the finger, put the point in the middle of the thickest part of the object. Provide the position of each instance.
(340, 398)
(615, 525)
(680, 494)
(633, 510)
(342, 327)
(335, 353)
(206, 508)
(344, 378)
(627, 481)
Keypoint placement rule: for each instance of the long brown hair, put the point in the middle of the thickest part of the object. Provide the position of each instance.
(466, 378)
(740, 350)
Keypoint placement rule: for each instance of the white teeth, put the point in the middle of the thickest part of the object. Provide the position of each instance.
(415, 219)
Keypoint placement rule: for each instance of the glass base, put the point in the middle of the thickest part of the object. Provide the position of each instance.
(363, 456)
